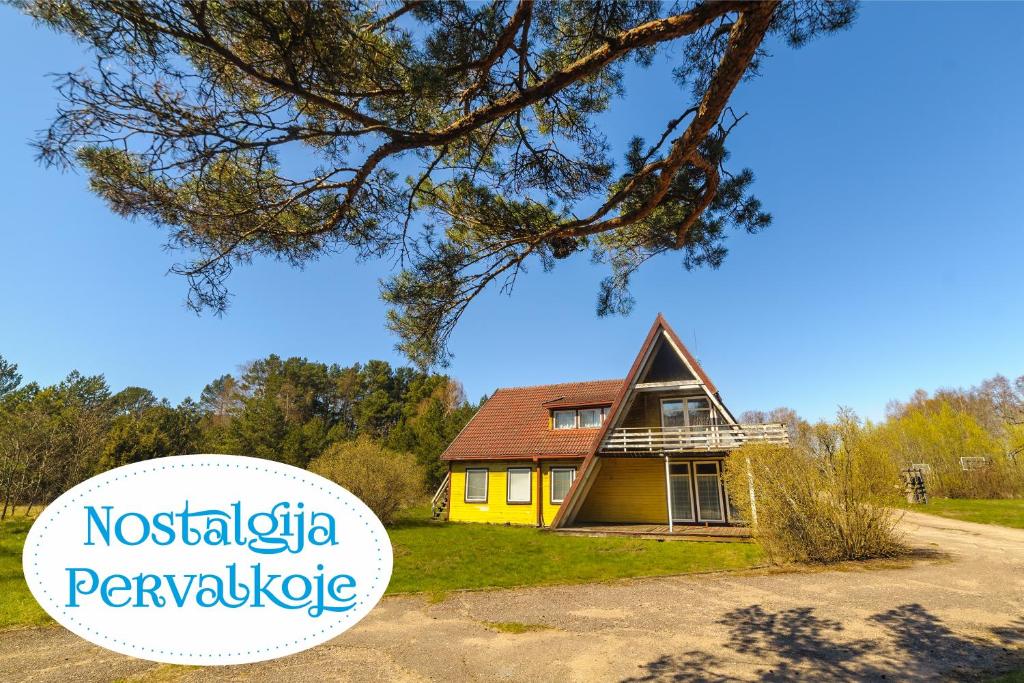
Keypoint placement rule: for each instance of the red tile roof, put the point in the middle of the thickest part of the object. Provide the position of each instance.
(514, 423)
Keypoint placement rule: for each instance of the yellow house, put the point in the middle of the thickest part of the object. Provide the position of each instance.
(647, 449)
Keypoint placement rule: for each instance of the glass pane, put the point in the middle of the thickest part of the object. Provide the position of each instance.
(476, 485)
(680, 468)
(565, 419)
(682, 503)
(519, 486)
(590, 417)
(699, 411)
(707, 468)
(561, 480)
(672, 414)
(708, 503)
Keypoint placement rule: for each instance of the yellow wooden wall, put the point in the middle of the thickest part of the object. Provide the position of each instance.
(627, 490)
(496, 510)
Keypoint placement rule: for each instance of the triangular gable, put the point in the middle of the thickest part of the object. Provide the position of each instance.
(684, 352)
(665, 364)
(661, 340)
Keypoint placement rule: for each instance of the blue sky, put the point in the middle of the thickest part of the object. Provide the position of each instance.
(889, 155)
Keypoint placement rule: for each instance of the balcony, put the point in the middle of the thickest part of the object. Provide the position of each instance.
(699, 438)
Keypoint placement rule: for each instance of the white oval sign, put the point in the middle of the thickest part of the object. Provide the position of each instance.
(207, 559)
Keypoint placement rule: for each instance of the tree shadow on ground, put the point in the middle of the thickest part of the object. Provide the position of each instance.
(1012, 634)
(798, 644)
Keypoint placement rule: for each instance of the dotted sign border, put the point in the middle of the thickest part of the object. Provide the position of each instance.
(161, 464)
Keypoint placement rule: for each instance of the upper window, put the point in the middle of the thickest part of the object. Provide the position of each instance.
(584, 418)
(673, 414)
(519, 485)
(476, 486)
(692, 412)
(561, 480)
(565, 419)
(698, 411)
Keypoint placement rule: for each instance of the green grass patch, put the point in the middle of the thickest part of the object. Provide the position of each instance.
(436, 597)
(17, 606)
(1015, 677)
(514, 627)
(436, 557)
(1003, 512)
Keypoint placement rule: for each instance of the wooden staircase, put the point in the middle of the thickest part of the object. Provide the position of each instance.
(439, 503)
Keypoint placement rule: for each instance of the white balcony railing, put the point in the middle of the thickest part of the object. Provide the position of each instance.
(643, 440)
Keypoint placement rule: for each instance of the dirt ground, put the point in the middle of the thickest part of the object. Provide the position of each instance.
(956, 612)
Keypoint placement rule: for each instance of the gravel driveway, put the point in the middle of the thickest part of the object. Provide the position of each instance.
(954, 614)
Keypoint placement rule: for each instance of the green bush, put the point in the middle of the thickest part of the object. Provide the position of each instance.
(386, 480)
(818, 507)
(938, 435)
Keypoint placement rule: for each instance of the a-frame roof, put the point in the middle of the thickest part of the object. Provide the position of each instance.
(659, 329)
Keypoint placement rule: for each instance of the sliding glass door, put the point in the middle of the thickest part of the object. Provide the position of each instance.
(696, 489)
(682, 498)
(709, 492)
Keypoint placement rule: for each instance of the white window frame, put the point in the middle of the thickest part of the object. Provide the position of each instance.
(710, 410)
(487, 478)
(577, 421)
(661, 411)
(551, 483)
(718, 488)
(508, 485)
(712, 413)
(554, 419)
(600, 417)
(690, 484)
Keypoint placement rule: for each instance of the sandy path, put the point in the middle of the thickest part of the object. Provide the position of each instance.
(957, 617)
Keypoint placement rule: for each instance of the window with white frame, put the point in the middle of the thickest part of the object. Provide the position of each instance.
(476, 486)
(698, 412)
(565, 419)
(519, 485)
(709, 492)
(673, 413)
(584, 418)
(561, 481)
(688, 412)
(591, 418)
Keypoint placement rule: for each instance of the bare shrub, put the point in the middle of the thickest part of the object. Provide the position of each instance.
(818, 508)
(386, 480)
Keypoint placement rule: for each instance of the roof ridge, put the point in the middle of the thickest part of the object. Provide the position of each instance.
(562, 384)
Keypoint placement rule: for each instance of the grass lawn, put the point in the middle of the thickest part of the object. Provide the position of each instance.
(1016, 677)
(1004, 512)
(435, 558)
(17, 606)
